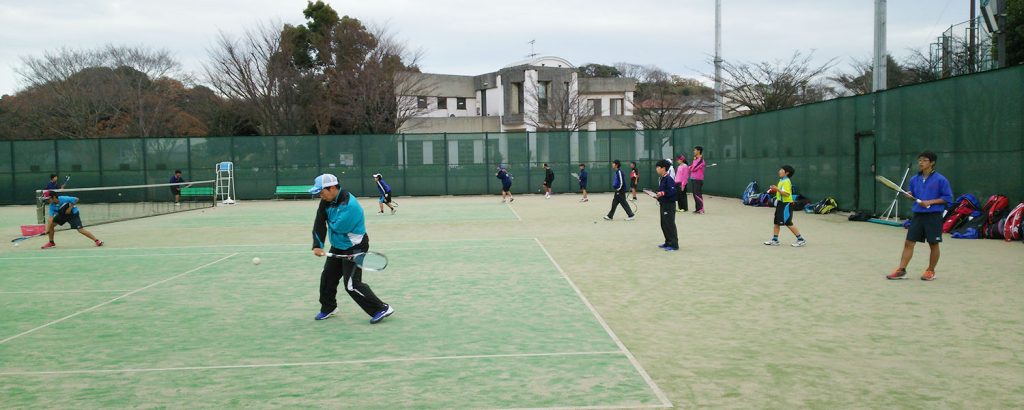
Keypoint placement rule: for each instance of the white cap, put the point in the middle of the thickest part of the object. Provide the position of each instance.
(323, 181)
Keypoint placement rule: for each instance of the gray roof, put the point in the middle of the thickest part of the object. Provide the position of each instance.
(446, 85)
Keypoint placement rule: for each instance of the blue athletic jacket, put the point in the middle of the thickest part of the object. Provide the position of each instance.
(344, 218)
(617, 181)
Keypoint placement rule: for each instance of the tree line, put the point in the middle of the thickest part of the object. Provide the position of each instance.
(335, 75)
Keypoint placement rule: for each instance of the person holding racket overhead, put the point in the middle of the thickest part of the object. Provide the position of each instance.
(927, 188)
(53, 185)
(385, 193)
(340, 218)
(64, 209)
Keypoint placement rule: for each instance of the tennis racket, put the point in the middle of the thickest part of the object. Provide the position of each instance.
(650, 193)
(22, 238)
(371, 261)
(892, 185)
(66, 179)
(713, 165)
(575, 175)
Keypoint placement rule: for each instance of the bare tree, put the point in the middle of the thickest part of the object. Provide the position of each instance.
(138, 69)
(61, 82)
(559, 106)
(257, 71)
(764, 86)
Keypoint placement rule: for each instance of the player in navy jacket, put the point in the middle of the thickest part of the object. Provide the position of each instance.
(385, 193)
(666, 202)
(619, 197)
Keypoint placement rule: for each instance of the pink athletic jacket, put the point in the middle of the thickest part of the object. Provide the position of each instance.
(682, 175)
(697, 169)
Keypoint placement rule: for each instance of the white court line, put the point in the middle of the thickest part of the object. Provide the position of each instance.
(65, 291)
(514, 211)
(301, 364)
(308, 243)
(113, 300)
(140, 255)
(647, 378)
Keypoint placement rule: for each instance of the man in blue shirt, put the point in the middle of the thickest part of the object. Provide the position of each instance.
(583, 182)
(64, 209)
(340, 218)
(506, 183)
(385, 193)
(666, 205)
(934, 191)
(619, 197)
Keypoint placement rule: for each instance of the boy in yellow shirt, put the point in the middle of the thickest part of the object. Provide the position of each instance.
(784, 207)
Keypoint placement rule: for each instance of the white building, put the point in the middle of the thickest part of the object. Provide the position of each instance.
(536, 94)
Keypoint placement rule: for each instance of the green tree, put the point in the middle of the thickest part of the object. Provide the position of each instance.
(594, 70)
(1014, 32)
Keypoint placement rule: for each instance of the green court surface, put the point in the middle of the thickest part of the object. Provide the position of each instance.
(534, 304)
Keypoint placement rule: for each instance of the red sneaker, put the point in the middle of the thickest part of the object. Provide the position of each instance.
(99, 242)
(897, 274)
(48, 245)
(928, 275)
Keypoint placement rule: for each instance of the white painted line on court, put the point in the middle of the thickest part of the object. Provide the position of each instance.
(642, 406)
(514, 211)
(113, 300)
(302, 364)
(141, 255)
(643, 373)
(64, 291)
(308, 244)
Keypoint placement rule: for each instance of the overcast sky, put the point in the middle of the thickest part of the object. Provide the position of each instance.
(476, 37)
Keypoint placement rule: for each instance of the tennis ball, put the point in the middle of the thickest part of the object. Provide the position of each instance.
(17, 244)
(256, 261)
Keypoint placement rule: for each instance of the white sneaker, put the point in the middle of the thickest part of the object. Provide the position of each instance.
(631, 218)
(799, 243)
(771, 242)
(393, 211)
(607, 218)
(177, 204)
(586, 199)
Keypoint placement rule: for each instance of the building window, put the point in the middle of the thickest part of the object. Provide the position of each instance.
(442, 103)
(421, 102)
(460, 103)
(616, 106)
(543, 91)
(595, 103)
(517, 98)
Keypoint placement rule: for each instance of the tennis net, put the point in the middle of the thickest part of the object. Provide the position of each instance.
(101, 205)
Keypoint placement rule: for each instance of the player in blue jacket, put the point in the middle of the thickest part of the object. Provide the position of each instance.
(64, 209)
(619, 186)
(385, 193)
(340, 218)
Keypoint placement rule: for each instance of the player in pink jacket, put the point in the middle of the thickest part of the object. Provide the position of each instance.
(697, 175)
(682, 177)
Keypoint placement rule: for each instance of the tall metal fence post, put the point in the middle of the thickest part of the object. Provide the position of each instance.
(446, 164)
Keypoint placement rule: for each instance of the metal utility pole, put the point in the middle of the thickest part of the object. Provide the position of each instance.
(971, 43)
(718, 60)
(878, 80)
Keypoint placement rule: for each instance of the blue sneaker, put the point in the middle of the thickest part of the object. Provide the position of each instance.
(662, 246)
(670, 249)
(377, 317)
(322, 315)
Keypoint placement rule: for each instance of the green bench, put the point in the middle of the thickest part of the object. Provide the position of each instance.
(293, 191)
(194, 192)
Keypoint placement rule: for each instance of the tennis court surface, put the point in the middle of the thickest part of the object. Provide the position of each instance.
(536, 304)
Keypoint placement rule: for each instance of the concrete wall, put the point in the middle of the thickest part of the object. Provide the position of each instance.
(453, 125)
